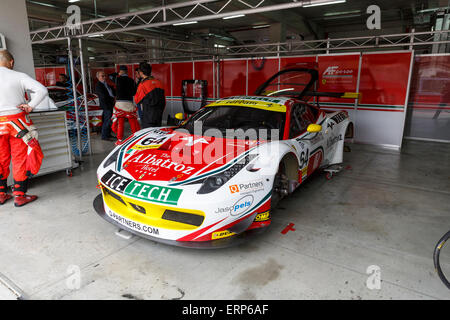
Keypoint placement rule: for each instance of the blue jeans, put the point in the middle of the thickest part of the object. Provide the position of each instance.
(106, 127)
(139, 109)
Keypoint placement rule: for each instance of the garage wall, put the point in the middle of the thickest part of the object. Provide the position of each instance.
(339, 73)
(428, 115)
(14, 26)
(381, 111)
(381, 78)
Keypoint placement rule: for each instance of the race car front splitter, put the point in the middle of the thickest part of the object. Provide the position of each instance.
(213, 244)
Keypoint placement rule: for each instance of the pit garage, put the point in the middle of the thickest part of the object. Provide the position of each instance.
(351, 205)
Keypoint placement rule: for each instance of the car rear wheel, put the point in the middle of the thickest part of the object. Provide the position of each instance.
(349, 134)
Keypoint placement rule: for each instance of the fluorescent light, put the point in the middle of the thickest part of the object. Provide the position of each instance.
(72, 1)
(431, 10)
(262, 26)
(43, 4)
(219, 45)
(96, 35)
(323, 3)
(330, 14)
(183, 23)
(232, 17)
(342, 17)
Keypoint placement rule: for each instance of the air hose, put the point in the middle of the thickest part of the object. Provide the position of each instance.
(436, 254)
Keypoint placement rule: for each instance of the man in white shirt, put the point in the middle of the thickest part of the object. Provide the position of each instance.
(18, 136)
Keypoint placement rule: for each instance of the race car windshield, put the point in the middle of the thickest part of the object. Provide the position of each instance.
(267, 124)
(288, 83)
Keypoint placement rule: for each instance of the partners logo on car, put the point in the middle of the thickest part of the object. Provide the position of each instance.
(245, 188)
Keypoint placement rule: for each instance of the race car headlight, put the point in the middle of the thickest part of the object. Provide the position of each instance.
(213, 183)
(112, 158)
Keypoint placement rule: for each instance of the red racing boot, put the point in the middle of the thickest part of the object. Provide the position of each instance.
(21, 200)
(4, 197)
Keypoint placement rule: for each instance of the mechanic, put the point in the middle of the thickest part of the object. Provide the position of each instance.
(137, 77)
(150, 94)
(18, 136)
(106, 100)
(63, 81)
(124, 108)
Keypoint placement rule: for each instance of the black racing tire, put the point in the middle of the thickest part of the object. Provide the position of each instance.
(349, 134)
(437, 265)
(277, 183)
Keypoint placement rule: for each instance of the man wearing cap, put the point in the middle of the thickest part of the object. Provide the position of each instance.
(124, 108)
(18, 136)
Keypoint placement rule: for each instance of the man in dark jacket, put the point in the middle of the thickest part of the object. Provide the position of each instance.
(106, 98)
(150, 94)
(124, 108)
(125, 86)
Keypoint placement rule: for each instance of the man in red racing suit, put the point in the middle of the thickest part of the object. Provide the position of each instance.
(18, 136)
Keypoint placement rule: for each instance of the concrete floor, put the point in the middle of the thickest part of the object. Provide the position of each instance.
(388, 209)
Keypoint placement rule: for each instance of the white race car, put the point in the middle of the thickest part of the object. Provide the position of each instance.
(216, 177)
(63, 99)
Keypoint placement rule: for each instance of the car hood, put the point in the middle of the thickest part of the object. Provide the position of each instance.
(165, 154)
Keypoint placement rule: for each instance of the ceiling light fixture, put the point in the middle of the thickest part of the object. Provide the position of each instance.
(330, 14)
(232, 17)
(42, 4)
(96, 35)
(316, 4)
(72, 1)
(342, 17)
(184, 23)
(261, 26)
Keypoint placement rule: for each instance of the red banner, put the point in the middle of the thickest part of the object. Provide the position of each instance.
(181, 71)
(384, 79)
(204, 70)
(233, 77)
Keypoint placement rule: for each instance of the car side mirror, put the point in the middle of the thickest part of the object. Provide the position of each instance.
(314, 128)
(179, 116)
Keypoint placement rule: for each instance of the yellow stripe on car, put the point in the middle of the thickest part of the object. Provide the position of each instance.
(250, 103)
(139, 147)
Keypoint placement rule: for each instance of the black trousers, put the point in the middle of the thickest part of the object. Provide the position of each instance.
(151, 116)
(106, 126)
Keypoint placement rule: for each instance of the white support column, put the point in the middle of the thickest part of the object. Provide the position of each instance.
(75, 98)
(85, 98)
